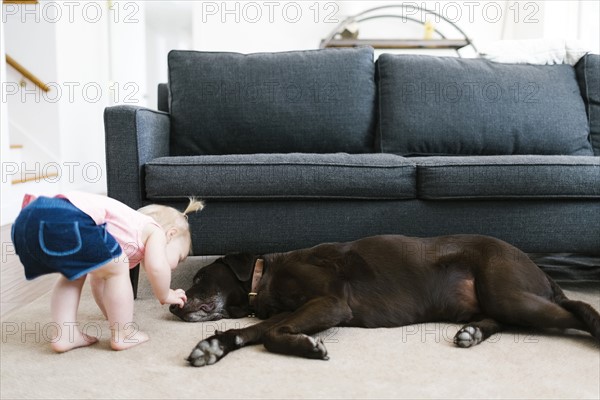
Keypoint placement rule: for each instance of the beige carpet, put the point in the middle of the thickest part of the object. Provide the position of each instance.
(410, 362)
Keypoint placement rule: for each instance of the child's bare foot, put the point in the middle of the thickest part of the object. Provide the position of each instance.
(123, 340)
(66, 343)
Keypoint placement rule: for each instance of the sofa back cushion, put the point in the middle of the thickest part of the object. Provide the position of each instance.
(451, 106)
(317, 101)
(588, 77)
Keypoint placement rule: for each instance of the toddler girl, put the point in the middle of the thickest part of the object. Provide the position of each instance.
(80, 234)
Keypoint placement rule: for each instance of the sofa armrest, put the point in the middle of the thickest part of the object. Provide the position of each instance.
(134, 136)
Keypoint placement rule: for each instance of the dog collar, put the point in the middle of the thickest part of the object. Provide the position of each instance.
(256, 276)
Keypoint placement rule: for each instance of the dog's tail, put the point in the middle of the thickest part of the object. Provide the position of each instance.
(583, 311)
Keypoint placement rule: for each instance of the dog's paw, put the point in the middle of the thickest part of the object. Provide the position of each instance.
(318, 349)
(468, 336)
(206, 352)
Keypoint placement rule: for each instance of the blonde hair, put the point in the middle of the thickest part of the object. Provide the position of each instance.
(169, 217)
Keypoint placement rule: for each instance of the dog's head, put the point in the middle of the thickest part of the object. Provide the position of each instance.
(220, 290)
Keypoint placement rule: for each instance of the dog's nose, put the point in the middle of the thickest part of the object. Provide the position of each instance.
(174, 308)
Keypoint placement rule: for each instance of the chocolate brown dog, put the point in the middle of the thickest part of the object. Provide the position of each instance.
(379, 281)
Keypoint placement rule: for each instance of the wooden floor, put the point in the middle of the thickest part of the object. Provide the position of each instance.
(15, 290)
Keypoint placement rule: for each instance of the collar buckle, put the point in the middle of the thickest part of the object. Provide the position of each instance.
(251, 298)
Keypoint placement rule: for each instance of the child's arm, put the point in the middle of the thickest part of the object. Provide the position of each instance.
(157, 268)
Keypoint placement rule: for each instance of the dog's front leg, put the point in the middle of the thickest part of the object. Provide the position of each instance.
(217, 346)
(291, 335)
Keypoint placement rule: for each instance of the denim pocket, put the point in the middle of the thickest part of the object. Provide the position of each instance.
(111, 243)
(59, 238)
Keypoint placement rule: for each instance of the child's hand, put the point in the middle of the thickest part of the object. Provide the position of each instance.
(176, 297)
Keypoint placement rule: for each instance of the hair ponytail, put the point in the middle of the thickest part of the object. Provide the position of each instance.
(193, 206)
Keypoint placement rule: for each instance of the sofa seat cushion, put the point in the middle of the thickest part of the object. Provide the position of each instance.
(282, 176)
(313, 101)
(452, 106)
(497, 177)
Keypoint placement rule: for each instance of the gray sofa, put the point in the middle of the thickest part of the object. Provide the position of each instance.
(298, 148)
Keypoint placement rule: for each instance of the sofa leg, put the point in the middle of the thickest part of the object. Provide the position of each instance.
(134, 275)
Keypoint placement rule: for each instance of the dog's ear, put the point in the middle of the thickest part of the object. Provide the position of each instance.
(241, 264)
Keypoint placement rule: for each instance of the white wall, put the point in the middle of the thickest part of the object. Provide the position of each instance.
(82, 52)
(69, 46)
(4, 139)
(589, 26)
(235, 26)
(32, 44)
(168, 26)
(126, 53)
(577, 20)
(249, 26)
(33, 114)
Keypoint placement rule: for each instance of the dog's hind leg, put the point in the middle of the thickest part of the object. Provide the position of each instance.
(476, 332)
(515, 291)
(586, 314)
(583, 311)
(530, 310)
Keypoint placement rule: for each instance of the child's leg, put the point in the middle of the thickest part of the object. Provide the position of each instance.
(98, 290)
(117, 298)
(64, 305)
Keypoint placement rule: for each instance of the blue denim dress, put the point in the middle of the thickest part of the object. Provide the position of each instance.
(52, 235)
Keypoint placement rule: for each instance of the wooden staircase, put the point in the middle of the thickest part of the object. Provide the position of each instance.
(24, 174)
